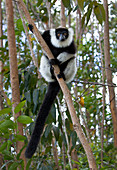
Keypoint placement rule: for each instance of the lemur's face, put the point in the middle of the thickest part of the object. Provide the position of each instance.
(61, 34)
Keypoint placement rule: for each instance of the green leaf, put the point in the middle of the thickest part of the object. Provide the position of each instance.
(24, 119)
(99, 12)
(66, 3)
(28, 164)
(52, 116)
(5, 111)
(88, 14)
(49, 168)
(19, 154)
(53, 113)
(3, 49)
(81, 4)
(35, 96)
(56, 132)
(5, 164)
(3, 146)
(7, 124)
(19, 24)
(9, 102)
(39, 3)
(3, 37)
(48, 149)
(20, 137)
(45, 19)
(83, 19)
(47, 130)
(8, 145)
(14, 166)
(7, 155)
(74, 138)
(19, 106)
(28, 96)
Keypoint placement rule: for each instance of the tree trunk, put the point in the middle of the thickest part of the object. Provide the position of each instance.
(65, 131)
(63, 19)
(109, 73)
(103, 101)
(55, 153)
(51, 24)
(1, 75)
(14, 71)
(69, 20)
(1, 63)
(74, 156)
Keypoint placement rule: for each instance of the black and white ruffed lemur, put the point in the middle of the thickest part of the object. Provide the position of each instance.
(61, 43)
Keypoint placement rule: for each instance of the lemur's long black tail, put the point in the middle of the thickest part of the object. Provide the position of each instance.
(50, 96)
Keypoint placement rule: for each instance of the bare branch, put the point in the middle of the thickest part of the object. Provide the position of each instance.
(3, 94)
(30, 45)
(65, 131)
(96, 83)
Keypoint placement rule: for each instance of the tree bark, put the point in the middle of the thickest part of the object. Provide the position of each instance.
(109, 73)
(14, 71)
(1, 75)
(74, 156)
(63, 19)
(65, 131)
(51, 24)
(1, 63)
(103, 99)
(55, 153)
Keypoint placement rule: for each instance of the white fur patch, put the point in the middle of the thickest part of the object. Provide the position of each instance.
(64, 57)
(57, 43)
(45, 69)
(69, 72)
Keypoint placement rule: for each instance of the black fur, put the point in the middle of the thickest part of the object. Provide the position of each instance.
(30, 26)
(71, 49)
(53, 87)
(50, 96)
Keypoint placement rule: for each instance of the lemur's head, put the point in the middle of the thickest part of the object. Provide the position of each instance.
(61, 37)
(62, 34)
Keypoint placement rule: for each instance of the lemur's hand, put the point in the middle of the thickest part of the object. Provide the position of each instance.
(56, 62)
(30, 26)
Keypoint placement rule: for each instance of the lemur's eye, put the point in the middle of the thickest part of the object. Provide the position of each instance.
(58, 34)
(65, 33)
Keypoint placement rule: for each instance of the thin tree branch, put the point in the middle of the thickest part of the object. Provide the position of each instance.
(30, 44)
(95, 83)
(85, 124)
(65, 131)
(109, 72)
(103, 101)
(3, 94)
(63, 19)
(14, 74)
(36, 14)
